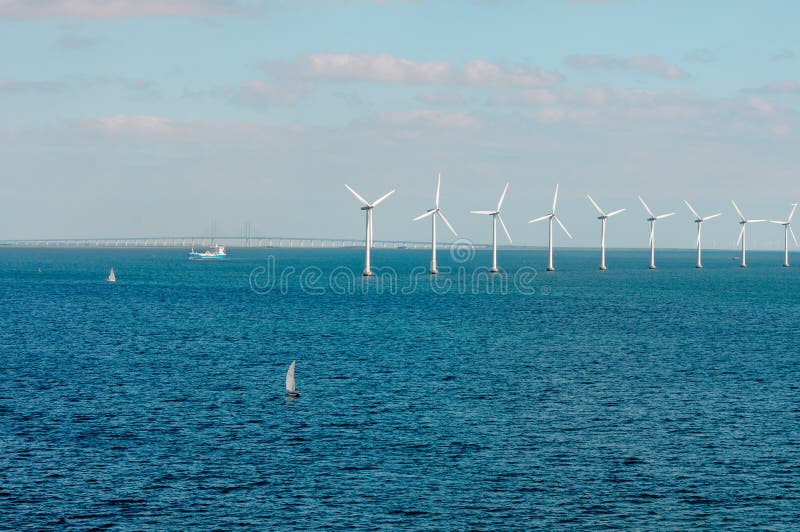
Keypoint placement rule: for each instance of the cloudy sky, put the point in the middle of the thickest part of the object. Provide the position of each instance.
(163, 117)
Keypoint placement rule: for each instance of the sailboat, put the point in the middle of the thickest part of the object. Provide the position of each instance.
(291, 391)
(111, 277)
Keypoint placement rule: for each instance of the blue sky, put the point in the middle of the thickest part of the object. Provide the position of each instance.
(144, 118)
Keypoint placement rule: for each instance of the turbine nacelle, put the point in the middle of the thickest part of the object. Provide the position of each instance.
(603, 215)
(552, 215)
(436, 211)
(496, 212)
(788, 220)
(653, 216)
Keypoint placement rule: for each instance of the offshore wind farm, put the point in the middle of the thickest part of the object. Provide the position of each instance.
(369, 243)
(257, 268)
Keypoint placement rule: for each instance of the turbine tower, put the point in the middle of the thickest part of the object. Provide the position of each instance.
(787, 226)
(603, 217)
(433, 213)
(743, 233)
(652, 221)
(699, 221)
(367, 208)
(495, 214)
(551, 216)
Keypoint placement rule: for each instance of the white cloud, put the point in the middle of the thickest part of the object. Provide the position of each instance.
(649, 64)
(481, 73)
(136, 125)
(106, 9)
(762, 106)
(431, 117)
(441, 98)
(385, 68)
(525, 97)
(784, 86)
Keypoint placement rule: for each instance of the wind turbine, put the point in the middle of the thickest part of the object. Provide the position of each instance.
(699, 221)
(743, 233)
(603, 217)
(367, 207)
(787, 226)
(433, 213)
(652, 221)
(552, 216)
(495, 214)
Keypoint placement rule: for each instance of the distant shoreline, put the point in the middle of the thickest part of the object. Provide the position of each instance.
(478, 247)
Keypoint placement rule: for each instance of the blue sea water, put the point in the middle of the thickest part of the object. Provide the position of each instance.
(631, 398)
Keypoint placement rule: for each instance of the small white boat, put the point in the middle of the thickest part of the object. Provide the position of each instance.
(216, 252)
(291, 390)
(111, 277)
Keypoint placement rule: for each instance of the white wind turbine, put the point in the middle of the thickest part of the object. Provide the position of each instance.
(433, 213)
(367, 207)
(652, 221)
(603, 217)
(551, 216)
(787, 226)
(743, 233)
(495, 214)
(699, 221)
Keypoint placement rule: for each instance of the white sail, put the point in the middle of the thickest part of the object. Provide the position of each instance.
(290, 387)
(111, 277)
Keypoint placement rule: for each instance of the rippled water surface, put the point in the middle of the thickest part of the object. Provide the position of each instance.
(573, 399)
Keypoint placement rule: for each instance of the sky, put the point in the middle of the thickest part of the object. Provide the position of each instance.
(139, 118)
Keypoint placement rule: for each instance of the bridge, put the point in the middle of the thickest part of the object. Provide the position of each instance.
(228, 241)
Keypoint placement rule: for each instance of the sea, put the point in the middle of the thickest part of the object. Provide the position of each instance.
(574, 399)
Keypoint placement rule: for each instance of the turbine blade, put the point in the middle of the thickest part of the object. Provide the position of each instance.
(424, 215)
(692, 209)
(756, 221)
(555, 199)
(540, 218)
(596, 206)
(794, 237)
(609, 215)
(741, 233)
(646, 207)
(562, 226)
(794, 208)
(652, 234)
(362, 200)
(502, 197)
(482, 212)
(503, 225)
(438, 188)
(664, 215)
(777, 222)
(712, 216)
(738, 211)
(379, 200)
(441, 215)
